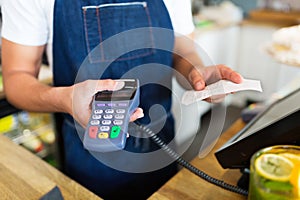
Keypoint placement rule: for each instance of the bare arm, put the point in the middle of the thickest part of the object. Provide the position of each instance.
(20, 68)
(185, 58)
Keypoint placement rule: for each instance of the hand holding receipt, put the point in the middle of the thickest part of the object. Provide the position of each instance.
(219, 88)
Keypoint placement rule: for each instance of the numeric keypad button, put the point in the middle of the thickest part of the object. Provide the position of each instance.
(120, 111)
(106, 122)
(96, 117)
(118, 122)
(108, 116)
(98, 111)
(109, 111)
(104, 128)
(119, 116)
(95, 122)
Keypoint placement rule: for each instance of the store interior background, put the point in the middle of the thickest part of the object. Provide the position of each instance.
(238, 40)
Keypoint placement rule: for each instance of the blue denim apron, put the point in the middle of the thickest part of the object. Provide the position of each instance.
(79, 27)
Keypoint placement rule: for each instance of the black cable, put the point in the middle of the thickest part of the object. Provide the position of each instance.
(190, 167)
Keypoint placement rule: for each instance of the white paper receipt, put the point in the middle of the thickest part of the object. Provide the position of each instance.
(219, 88)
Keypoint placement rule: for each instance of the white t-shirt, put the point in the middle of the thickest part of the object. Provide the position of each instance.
(30, 22)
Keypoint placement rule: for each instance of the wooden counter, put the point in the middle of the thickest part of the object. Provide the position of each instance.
(275, 17)
(186, 185)
(25, 176)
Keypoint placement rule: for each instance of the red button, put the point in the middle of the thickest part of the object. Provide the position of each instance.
(93, 131)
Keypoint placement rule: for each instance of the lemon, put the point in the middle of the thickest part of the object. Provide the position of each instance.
(291, 156)
(295, 176)
(274, 167)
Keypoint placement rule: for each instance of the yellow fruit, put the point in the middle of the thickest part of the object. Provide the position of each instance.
(274, 167)
(292, 157)
(295, 176)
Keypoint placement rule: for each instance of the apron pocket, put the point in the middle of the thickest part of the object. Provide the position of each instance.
(103, 21)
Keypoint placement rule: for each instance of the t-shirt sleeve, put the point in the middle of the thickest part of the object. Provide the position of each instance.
(180, 12)
(24, 22)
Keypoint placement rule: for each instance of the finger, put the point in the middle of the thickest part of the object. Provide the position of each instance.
(215, 98)
(138, 113)
(109, 84)
(197, 80)
(229, 74)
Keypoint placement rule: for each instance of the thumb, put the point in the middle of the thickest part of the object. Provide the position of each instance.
(197, 80)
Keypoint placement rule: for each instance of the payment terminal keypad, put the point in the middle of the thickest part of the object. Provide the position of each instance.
(107, 120)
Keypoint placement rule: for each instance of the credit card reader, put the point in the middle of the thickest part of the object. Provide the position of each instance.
(111, 110)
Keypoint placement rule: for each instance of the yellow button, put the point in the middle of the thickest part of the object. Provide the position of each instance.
(103, 135)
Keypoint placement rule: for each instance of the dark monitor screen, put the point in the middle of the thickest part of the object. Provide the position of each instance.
(278, 124)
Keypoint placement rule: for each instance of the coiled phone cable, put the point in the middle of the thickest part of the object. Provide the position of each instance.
(188, 166)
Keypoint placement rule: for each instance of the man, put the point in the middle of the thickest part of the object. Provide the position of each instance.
(94, 42)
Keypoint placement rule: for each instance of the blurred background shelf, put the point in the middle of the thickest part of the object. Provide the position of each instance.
(34, 131)
(276, 17)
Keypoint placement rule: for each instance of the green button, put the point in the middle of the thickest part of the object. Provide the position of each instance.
(115, 131)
